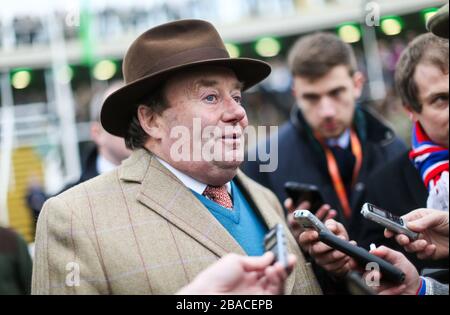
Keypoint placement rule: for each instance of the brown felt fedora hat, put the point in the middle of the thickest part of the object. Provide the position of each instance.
(163, 51)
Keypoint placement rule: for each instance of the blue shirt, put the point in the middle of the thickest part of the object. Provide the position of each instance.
(242, 223)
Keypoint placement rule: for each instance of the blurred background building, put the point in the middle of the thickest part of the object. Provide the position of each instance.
(56, 55)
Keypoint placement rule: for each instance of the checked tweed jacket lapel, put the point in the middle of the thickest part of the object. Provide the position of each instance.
(163, 193)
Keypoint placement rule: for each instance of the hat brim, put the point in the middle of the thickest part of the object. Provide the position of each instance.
(118, 108)
(438, 24)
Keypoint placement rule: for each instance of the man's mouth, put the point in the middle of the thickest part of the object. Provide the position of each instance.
(329, 125)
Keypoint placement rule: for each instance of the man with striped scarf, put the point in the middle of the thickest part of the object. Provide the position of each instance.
(418, 179)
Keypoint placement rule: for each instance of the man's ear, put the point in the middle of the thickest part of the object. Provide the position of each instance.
(411, 114)
(150, 122)
(293, 91)
(96, 131)
(358, 82)
(295, 87)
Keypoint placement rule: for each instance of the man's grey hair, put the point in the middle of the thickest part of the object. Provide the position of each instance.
(136, 137)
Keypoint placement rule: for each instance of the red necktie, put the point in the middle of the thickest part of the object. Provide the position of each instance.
(219, 195)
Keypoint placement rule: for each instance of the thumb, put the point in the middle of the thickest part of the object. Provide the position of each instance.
(380, 252)
(424, 223)
(257, 263)
(386, 254)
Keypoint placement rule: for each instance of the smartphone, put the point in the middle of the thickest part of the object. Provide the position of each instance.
(304, 192)
(307, 220)
(275, 241)
(363, 257)
(387, 220)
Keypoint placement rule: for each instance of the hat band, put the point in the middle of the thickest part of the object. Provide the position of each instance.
(189, 56)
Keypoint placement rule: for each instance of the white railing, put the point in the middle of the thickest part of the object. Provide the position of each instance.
(30, 126)
(34, 126)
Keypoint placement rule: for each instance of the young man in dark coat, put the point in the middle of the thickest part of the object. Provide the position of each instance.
(330, 141)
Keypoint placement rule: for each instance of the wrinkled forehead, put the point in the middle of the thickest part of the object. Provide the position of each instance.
(336, 78)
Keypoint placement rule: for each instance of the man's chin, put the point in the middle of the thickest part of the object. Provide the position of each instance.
(228, 165)
(331, 134)
(223, 173)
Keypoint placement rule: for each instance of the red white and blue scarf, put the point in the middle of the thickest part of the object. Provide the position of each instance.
(429, 158)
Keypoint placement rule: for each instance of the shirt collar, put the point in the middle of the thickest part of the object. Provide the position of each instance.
(188, 181)
(342, 141)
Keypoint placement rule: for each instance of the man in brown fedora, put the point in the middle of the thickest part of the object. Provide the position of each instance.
(164, 215)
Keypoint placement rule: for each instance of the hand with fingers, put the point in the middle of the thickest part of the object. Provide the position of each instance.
(333, 261)
(323, 214)
(433, 228)
(242, 275)
(412, 281)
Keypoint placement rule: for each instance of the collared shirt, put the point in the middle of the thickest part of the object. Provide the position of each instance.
(343, 141)
(103, 165)
(188, 181)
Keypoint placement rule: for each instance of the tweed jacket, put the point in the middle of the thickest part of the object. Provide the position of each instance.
(139, 230)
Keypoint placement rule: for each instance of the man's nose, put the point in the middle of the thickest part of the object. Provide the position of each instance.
(234, 112)
(327, 108)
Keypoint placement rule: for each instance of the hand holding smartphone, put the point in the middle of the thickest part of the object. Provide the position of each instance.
(363, 257)
(275, 241)
(307, 220)
(304, 192)
(388, 220)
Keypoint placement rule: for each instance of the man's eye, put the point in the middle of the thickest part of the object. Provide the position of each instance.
(238, 99)
(336, 93)
(312, 99)
(211, 98)
(441, 100)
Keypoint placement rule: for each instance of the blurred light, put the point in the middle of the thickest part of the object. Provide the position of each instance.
(21, 79)
(349, 33)
(428, 14)
(65, 74)
(233, 50)
(104, 70)
(268, 47)
(391, 26)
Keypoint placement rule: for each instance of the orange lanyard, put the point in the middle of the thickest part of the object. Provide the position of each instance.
(335, 175)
